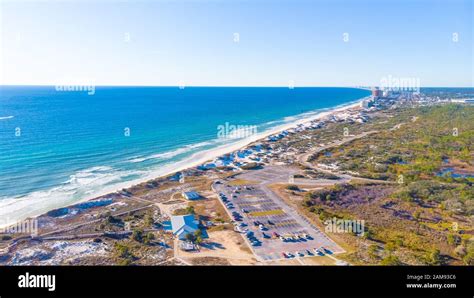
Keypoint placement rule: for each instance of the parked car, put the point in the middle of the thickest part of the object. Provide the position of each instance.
(318, 252)
(327, 251)
(255, 243)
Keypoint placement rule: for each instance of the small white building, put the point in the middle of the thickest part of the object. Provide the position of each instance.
(365, 104)
(191, 195)
(187, 245)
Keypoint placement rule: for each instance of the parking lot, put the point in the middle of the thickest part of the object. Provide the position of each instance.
(273, 229)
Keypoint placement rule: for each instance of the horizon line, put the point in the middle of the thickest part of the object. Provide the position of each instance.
(217, 86)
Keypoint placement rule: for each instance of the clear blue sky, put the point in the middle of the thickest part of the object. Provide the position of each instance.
(193, 42)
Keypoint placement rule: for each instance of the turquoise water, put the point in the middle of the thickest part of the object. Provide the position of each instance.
(71, 145)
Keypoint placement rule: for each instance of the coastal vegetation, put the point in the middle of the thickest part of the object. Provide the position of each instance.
(423, 214)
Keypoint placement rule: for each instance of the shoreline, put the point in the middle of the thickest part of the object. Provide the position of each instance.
(199, 158)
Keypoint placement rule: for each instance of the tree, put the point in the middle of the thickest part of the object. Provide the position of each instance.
(368, 234)
(198, 236)
(453, 239)
(198, 233)
(399, 242)
(190, 210)
(112, 220)
(469, 258)
(434, 257)
(151, 236)
(137, 235)
(390, 246)
(390, 260)
(185, 211)
(416, 215)
(148, 238)
(198, 240)
(189, 237)
(123, 252)
(293, 187)
(372, 251)
(307, 202)
(149, 221)
(124, 262)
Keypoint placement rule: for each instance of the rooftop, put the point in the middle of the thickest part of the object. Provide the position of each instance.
(191, 195)
(184, 224)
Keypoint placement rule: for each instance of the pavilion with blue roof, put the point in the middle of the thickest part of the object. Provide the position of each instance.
(181, 225)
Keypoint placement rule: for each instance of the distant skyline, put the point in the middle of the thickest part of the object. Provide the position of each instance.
(237, 43)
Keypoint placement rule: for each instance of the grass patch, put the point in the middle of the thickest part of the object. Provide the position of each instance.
(238, 182)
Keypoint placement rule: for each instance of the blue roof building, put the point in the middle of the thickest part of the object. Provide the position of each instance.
(181, 225)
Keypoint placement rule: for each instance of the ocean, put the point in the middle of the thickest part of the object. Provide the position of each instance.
(60, 147)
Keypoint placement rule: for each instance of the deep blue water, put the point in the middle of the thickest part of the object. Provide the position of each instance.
(72, 144)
